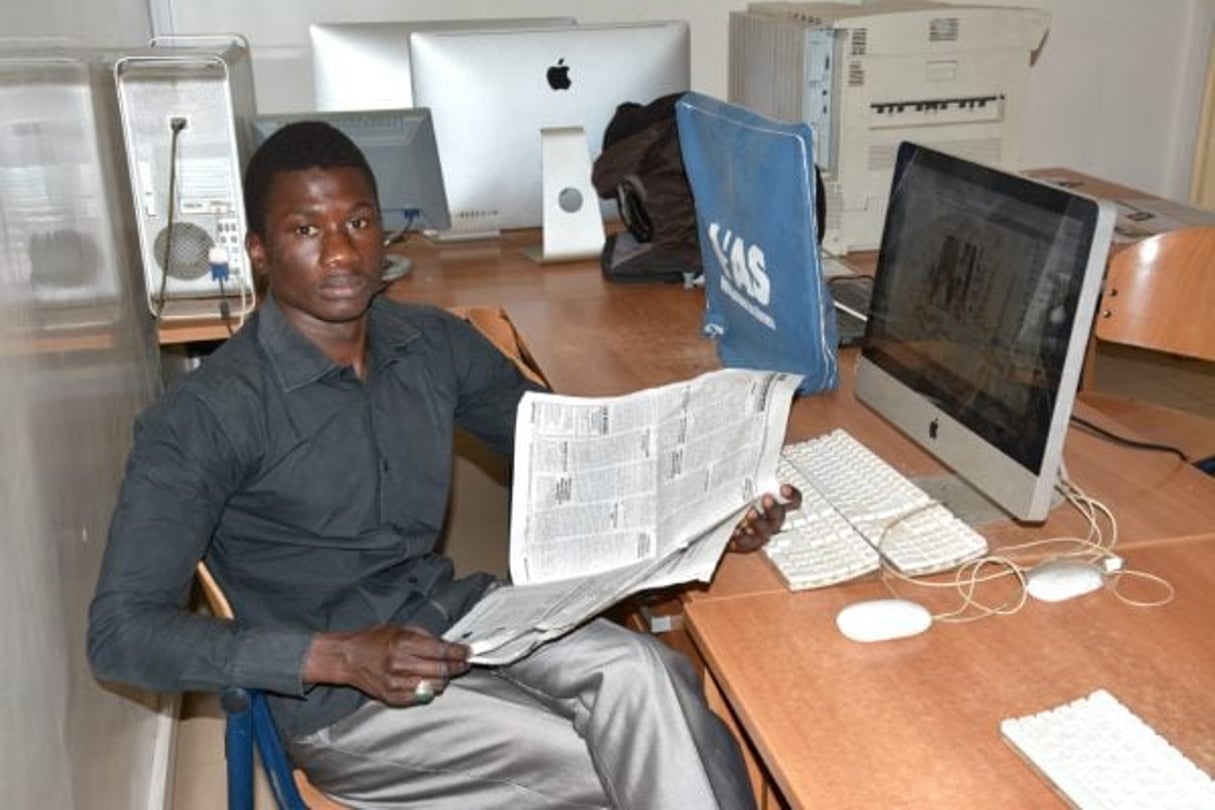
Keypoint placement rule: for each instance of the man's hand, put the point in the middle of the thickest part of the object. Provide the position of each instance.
(764, 520)
(386, 662)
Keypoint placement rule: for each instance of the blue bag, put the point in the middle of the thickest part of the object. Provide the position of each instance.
(753, 183)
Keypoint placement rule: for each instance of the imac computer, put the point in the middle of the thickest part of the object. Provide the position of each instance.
(401, 150)
(365, 65)
(983, 300)
(492, 92)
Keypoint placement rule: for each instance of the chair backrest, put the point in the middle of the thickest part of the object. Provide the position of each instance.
(1160, 294)
(216, 601)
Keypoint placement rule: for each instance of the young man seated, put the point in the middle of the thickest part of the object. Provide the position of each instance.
(308, 463)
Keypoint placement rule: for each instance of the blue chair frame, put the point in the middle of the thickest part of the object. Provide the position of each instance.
(250, 724)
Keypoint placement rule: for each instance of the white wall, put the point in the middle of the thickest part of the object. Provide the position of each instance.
(1115, 92)
(112, 22)
(74, 376)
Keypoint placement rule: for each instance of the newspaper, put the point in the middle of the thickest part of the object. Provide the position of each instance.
(616, 495)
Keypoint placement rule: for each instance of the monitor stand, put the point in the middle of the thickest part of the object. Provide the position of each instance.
(969, 505)
(573, 224)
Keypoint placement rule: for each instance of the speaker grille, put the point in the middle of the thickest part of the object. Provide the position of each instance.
(190, 247)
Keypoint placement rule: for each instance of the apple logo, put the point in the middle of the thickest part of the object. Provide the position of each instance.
(559, 76)
(933, 427)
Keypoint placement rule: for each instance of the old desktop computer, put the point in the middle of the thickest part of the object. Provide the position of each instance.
(183, 105)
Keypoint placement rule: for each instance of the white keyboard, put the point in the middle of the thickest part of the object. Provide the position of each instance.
(856, 510)
(1102, 756)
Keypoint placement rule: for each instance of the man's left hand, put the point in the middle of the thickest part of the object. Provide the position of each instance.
(765, 519)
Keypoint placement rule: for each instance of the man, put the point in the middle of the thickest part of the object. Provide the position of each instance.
(308, 462)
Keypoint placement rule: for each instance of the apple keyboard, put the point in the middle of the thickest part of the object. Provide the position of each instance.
(1101, 756)
(857, 511)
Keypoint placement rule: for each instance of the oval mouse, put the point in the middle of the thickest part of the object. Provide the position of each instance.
(1060, 579)
(883, 619)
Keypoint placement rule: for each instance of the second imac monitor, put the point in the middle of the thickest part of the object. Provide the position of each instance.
(491, 93)
(983, 300)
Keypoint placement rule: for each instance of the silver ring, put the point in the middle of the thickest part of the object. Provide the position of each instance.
(423, 693)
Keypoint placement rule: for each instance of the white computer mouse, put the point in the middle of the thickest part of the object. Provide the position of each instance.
(883, 619)
(1063, 578)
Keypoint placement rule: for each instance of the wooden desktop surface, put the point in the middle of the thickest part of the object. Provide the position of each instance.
(915, 722)
(595, 338)
(837, 724)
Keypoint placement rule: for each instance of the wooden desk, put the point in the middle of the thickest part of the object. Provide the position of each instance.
(591, 338)
(914, 722)
(594, 338)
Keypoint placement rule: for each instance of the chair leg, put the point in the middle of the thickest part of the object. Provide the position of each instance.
(238, 748)
(274, 758)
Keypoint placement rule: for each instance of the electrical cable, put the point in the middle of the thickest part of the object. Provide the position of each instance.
(1097, 547)
(176, 125)
(1123, 440)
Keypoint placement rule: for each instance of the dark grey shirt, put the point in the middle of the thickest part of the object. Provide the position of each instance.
(315, 498)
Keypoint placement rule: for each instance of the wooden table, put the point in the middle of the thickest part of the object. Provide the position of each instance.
(914, 723)
(595, 338)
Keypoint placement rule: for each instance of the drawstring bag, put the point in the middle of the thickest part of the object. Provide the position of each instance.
(754, 185)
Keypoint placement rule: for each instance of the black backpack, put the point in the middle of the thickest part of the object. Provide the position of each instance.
(641, 167)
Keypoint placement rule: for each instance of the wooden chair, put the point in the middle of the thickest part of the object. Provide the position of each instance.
(250, 723)
(1160, 296)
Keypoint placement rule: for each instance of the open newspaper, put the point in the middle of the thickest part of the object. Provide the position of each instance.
(616, 495)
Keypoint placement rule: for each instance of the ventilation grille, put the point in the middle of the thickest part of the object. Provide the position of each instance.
(856, 74)
(188, 260)
(943, 29)
(859, 41)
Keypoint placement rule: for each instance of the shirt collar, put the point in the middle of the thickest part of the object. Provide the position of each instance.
(297, 361)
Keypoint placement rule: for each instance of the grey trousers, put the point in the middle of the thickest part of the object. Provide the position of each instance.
(603, 717)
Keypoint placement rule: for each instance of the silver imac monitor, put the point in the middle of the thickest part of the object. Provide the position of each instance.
(983, 300)
(491, 93)
(365, 65)
(400, 147)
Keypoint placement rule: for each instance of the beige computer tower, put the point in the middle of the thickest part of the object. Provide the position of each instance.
(868, 76)
(186, 185)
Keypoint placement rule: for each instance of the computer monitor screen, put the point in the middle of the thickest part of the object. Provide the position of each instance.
(365, 65)
(492, 92)
(400, 147)
(983, 301)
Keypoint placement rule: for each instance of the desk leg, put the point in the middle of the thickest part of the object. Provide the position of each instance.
(766, 797)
